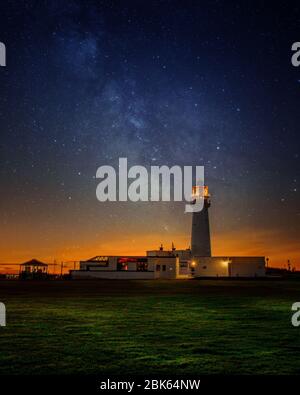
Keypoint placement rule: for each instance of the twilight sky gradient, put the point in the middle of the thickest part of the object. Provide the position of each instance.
(162, 83)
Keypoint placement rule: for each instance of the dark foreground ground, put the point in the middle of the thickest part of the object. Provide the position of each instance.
(143, 327)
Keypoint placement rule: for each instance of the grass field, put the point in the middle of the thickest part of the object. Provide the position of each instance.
(143, 327)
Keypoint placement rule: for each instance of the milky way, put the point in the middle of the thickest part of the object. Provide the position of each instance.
(164, 83)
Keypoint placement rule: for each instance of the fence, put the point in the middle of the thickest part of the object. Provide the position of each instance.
(54, 268)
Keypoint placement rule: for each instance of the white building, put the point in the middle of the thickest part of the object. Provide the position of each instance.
(160, 264)
(157, 264)
(252, 266)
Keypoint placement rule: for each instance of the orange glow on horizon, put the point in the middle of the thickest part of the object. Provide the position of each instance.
(243, 243)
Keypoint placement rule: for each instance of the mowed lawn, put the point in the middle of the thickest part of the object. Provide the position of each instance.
(144, 327)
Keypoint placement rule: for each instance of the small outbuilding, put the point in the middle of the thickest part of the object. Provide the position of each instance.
(33, 270)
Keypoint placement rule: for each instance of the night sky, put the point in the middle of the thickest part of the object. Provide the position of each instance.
(161, 83)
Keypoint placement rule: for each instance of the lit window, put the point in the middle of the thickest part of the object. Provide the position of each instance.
(122, 266)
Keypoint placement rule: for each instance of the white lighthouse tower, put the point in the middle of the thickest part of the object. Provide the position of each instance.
(200, 225)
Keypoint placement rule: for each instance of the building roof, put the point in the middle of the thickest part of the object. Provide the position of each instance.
(101, 258)
(97, 258)
(34, 262)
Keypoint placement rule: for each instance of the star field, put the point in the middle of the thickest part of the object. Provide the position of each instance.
(161, 83)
